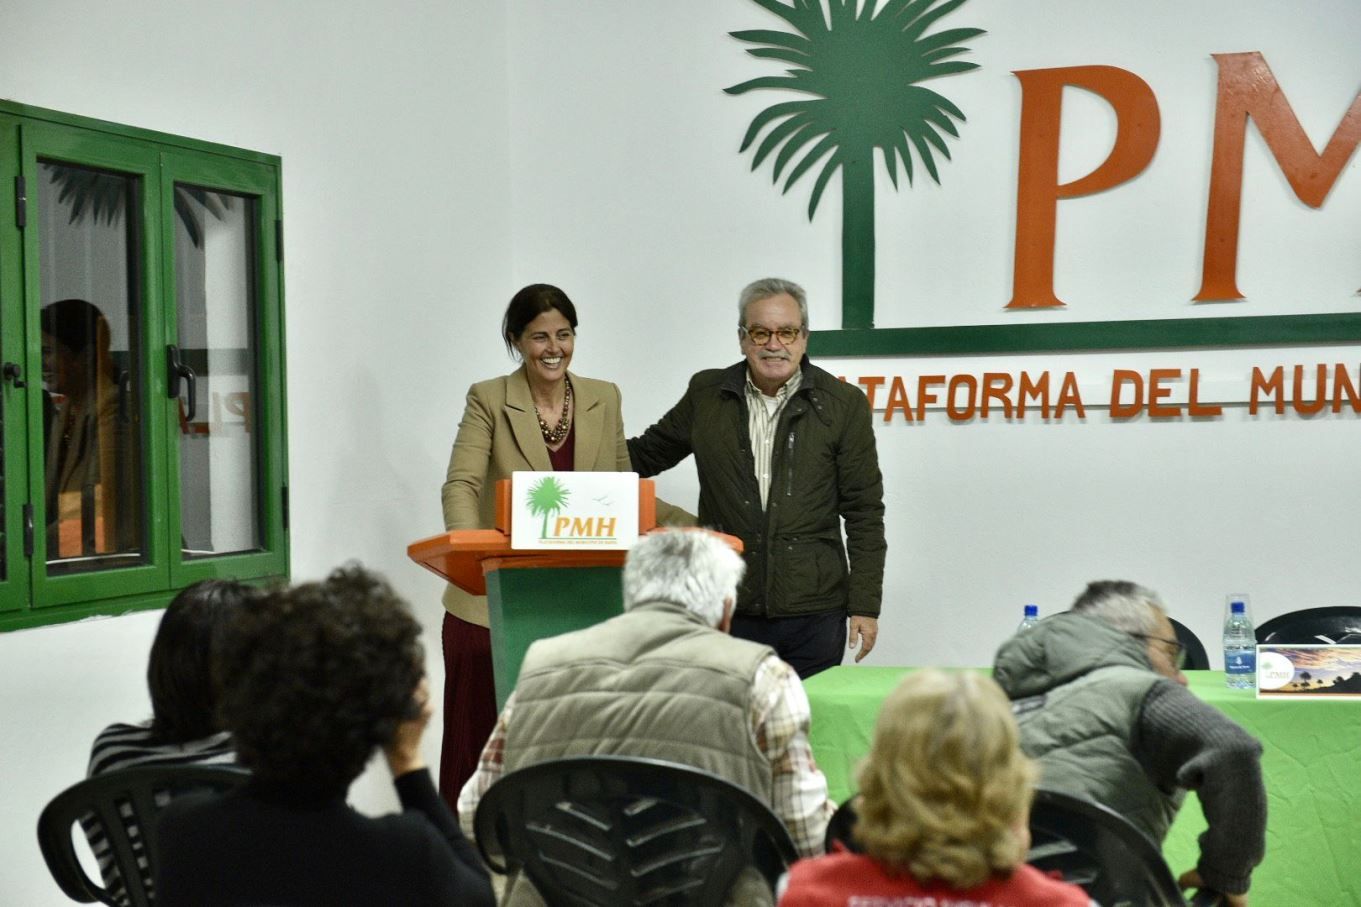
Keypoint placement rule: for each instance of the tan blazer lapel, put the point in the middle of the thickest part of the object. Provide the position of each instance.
(590, 427)
(524, 422)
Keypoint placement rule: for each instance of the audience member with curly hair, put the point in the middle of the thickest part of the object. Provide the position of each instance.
(314, 678)
(944, 808)
(184, 728)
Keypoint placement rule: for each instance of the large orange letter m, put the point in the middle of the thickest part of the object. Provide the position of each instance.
(1247, 88)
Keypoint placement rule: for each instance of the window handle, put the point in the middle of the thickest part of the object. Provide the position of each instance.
(175, 369)
(123, 378)
(27, 511)
(13, 374)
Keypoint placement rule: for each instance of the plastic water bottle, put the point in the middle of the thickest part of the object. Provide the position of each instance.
(1032, 617)
(1240, 647)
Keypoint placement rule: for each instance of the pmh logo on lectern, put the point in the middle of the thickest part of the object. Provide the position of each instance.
(576, 510)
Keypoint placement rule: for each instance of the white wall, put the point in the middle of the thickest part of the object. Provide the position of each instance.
(438, 156)
(392, 128)
(628, 188)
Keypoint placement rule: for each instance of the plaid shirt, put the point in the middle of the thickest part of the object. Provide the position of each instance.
(779, 724)
(763, 416)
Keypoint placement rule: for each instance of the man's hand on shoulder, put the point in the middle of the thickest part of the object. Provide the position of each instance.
(863, 630)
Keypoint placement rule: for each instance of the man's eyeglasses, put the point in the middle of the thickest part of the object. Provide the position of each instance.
(1173, 648)
(761, 336)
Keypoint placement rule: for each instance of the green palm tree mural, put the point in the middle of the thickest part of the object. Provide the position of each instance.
(860, 65)
(547, 496)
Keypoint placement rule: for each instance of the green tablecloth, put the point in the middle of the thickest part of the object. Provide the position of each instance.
(1311, 761)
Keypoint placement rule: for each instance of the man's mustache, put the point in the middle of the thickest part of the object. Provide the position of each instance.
(768, 355)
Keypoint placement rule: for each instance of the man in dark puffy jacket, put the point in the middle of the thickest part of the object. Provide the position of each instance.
(1103, 707)
(784, 452)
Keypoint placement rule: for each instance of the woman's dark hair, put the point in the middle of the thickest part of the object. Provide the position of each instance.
(530, 303)
(74, 322)
(180, 671)
(315, 676)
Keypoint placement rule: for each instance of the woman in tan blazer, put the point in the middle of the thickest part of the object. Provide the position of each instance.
(539, 417)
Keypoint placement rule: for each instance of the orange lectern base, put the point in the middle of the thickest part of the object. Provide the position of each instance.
(466, 556)
(457, 556)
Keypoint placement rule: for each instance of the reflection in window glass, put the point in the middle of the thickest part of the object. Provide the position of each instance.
(90, 324)
(215, 311)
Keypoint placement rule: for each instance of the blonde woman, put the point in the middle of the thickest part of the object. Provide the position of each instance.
(944, 808)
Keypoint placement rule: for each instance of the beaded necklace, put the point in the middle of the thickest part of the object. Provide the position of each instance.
(555, 434)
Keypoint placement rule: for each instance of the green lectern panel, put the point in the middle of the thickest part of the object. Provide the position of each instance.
(529, 603)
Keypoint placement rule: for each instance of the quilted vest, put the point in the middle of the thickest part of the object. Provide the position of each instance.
(654, 682)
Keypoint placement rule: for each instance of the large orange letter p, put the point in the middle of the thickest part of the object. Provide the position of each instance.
(1037, 183)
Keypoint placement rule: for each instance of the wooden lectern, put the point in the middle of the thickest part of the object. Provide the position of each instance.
(532, 594)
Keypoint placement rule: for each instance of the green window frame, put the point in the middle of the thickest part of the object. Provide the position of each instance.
(160, 168)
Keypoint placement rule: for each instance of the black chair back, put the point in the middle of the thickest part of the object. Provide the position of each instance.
(1338, 624)
(611, 831)
(1197, 659)
(841, 828)
(125, 805)
(1098, 849)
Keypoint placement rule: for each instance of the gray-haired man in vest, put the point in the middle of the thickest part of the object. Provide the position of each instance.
(1103, 706)
(688, 692)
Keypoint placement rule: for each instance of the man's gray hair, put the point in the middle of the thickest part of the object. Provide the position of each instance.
(767, 287)
(686, 567)
(1126, 606)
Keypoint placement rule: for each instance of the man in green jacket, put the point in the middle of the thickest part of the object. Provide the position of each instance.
(784, 452)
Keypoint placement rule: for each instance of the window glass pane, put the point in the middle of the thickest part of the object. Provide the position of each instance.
(91, 334)
(215, 246)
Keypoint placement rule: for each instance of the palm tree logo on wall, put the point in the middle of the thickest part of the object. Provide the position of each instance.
(547, 496)
(860, 66)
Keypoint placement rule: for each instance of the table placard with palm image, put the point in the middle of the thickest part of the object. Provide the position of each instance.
(1307, 670)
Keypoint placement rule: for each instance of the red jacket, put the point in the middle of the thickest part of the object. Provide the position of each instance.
(854, 880)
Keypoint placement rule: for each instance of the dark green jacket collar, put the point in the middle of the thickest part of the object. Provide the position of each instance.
(734, 381)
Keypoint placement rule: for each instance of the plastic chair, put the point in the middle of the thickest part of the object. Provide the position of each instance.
(614, 831)
(1338, 624)
(1197, 659)
(126, 804)
(1098, 849)
(840, 827)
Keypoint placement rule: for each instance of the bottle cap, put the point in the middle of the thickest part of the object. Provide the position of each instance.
(1236, 607)
(1032, 610)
